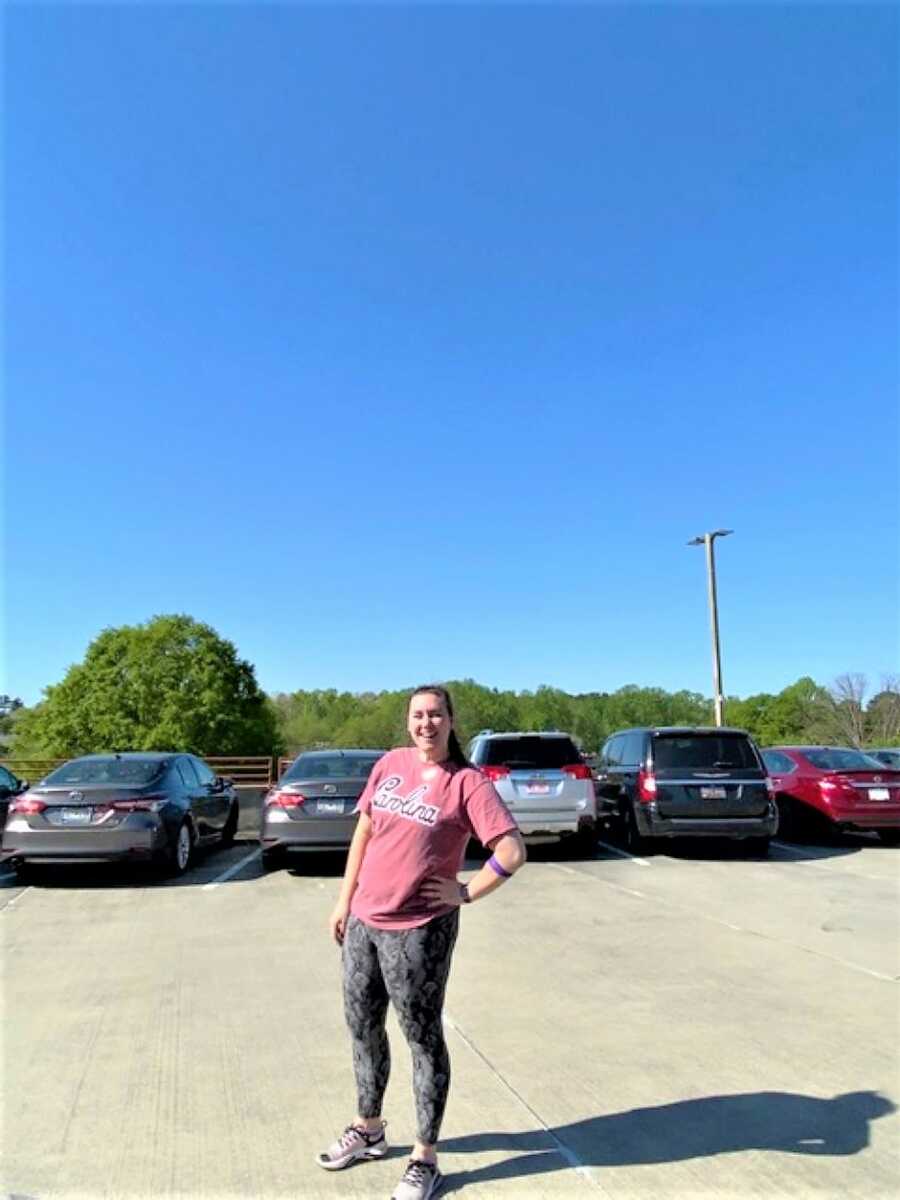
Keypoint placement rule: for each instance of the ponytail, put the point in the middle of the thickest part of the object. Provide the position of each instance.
(454, 749)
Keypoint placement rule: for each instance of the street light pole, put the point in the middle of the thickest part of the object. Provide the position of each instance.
(707, 540)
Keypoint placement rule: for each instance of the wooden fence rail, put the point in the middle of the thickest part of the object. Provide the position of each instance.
(257, 771)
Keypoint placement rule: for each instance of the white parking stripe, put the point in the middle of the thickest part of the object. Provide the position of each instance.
(628, 891)
(232, 870)
(802, 853)
(564, 1151)
(15, 900)
(641, 862)
(671, 904)
(815, 860)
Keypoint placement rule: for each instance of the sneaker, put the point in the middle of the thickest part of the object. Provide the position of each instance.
(420, 1180)
(354, 1143)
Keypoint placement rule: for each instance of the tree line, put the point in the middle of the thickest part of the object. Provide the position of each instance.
(174, 683)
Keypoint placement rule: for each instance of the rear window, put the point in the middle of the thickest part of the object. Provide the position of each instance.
(332, 766)
(703, 751)
(112, 770)
(842, 760)
(530, 753)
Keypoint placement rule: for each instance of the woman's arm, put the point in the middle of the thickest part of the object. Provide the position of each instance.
(337, 922)
(509, 854)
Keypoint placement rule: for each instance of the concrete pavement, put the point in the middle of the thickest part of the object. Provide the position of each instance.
(689, 1026)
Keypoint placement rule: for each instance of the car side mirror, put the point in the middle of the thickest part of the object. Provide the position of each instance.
(24, 785)
(217, 785)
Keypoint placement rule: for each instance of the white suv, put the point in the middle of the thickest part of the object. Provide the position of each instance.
(543, 781)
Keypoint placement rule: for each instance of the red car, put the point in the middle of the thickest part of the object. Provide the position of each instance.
(832, 788)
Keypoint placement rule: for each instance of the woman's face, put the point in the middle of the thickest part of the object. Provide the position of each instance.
(429, 726)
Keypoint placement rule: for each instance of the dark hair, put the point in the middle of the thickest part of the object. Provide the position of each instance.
(454, 749)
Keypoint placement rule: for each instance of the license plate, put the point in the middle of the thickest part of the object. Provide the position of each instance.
(74, 816)
(537, 789)
(330, 806)
(879, 794)
(713, 793)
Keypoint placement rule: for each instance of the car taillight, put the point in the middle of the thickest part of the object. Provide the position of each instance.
(578, 770)
(279, 799)
(495, 772)
(27, 804)
(830, 786)
(151, 803)
(646, 786)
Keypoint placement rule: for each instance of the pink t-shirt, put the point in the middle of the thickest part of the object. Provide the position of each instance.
(423, 815)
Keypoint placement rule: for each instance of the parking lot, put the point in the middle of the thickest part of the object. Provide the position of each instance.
(690, 1024)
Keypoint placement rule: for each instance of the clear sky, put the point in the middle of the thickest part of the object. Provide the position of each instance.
(406, 342)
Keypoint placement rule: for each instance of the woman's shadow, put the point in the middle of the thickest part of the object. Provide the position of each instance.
(783, 1121)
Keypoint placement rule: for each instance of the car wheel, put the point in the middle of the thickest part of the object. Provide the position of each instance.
(635, 841)
(272, 859)
(757, 847)
(798, 822)
(231, 824)
(180, 851)
(790, 819)
(23, 869)
(890, 837)
(582, 844)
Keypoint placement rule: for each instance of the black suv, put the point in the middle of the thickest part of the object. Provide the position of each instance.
(686, 782)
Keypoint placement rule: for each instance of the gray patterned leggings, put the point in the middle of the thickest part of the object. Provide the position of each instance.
(409, 967)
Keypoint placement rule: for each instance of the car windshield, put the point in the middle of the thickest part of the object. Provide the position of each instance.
(530, 753)
(331, 766)
(703, 751)
(842, 760)
(106, 770)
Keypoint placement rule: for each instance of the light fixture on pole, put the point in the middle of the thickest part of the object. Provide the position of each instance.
(707, 539)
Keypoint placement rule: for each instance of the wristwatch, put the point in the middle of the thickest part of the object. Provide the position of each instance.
(464, 897)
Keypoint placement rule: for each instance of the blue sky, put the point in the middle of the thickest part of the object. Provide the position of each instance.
(415, 342)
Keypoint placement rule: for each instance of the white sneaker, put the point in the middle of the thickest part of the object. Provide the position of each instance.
(354, 1143)
(420, 1180)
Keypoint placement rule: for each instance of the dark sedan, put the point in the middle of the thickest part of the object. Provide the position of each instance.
(313, 805)
(887, 757)
(132, 807)
(10, 786)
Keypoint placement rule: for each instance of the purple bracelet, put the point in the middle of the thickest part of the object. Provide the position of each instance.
(497, 869)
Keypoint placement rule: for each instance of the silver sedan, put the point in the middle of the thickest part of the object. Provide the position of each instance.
(313, 805)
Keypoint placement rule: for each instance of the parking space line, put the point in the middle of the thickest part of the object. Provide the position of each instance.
(564, 1151)
(232, 870)
(802, 853)
(628, 891)
(641, 862)
(672, 904)
(15, 899)
(815, 860)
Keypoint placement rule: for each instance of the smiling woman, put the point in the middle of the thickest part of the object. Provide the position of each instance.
(397, 919)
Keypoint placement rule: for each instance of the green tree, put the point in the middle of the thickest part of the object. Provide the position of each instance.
(883, 714)
(793, 716)
(169, 684)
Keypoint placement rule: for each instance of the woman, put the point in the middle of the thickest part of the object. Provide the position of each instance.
(397, 919)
